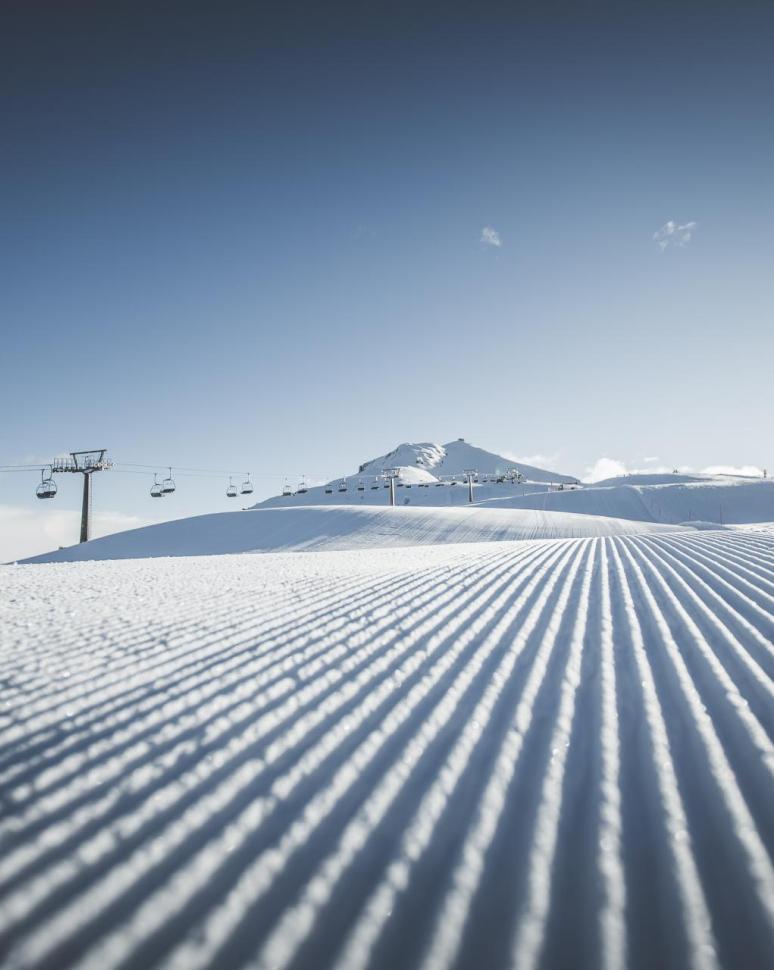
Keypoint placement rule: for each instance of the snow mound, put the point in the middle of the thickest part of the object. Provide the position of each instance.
(714, 500)
(342, 527)
(547, 755)
(662, 478)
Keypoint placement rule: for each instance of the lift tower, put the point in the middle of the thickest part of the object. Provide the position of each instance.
(391, 474)
(83, 463)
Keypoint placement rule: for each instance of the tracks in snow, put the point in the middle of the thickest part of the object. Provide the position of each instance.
(526, 755)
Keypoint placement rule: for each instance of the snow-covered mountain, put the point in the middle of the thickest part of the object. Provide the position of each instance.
(455, 458)
(432, 471)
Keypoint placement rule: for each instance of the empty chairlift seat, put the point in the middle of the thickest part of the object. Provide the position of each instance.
(168, 485)
(47, 486)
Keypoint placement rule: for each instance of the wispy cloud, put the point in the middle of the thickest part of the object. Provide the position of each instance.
(674, 234)
(490, 237)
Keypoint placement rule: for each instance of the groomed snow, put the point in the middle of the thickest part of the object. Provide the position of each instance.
(549, 754)
(341, 527)
(720, 500)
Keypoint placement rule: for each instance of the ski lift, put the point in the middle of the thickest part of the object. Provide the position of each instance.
(439, 484)
(231, 491)
(247, 486)
(302, 489)
(361, 485)
(375, 484)
(168, 485)
(47, 487)
(286, 489)
(157, 489)
(329, 490)
(343, 485)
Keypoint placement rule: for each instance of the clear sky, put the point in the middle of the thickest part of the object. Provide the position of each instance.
(284, 237)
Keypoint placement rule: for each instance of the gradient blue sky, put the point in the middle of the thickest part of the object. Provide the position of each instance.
(248, 235)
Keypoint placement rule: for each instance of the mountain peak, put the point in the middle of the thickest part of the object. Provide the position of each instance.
(454, 458)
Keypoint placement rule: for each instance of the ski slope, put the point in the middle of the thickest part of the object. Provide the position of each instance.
(720, 500)
(556, 753)
(342, 527)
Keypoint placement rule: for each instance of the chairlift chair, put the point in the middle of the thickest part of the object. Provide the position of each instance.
(157, 489)
(302, 489)
(47, 486)
(329, 490)
(361, 485)
(286, 489)
(343, 485)
(168, 485)
(247, 486)
(231, 491)
(375, 484)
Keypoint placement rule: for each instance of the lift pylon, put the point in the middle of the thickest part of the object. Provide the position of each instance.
(83, 463)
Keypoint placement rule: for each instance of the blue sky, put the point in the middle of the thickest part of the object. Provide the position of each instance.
(251, 238)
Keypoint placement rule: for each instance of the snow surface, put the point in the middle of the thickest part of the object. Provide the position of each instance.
(545, 754)
(342, 527)
(719, 500)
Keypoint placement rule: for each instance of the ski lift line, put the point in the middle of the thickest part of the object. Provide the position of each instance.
(205, 471)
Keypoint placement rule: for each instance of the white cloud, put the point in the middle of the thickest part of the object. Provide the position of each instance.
(537, 461)
(674, 234)
(30, 531)
(490, 237)
(747, 471)
(605, 468)
(613, 468)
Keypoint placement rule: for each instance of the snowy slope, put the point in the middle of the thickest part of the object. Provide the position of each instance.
(539, 754)
(721, 500)
(345, 527)
(415, 487)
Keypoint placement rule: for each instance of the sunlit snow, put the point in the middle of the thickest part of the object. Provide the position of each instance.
(543, 753)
